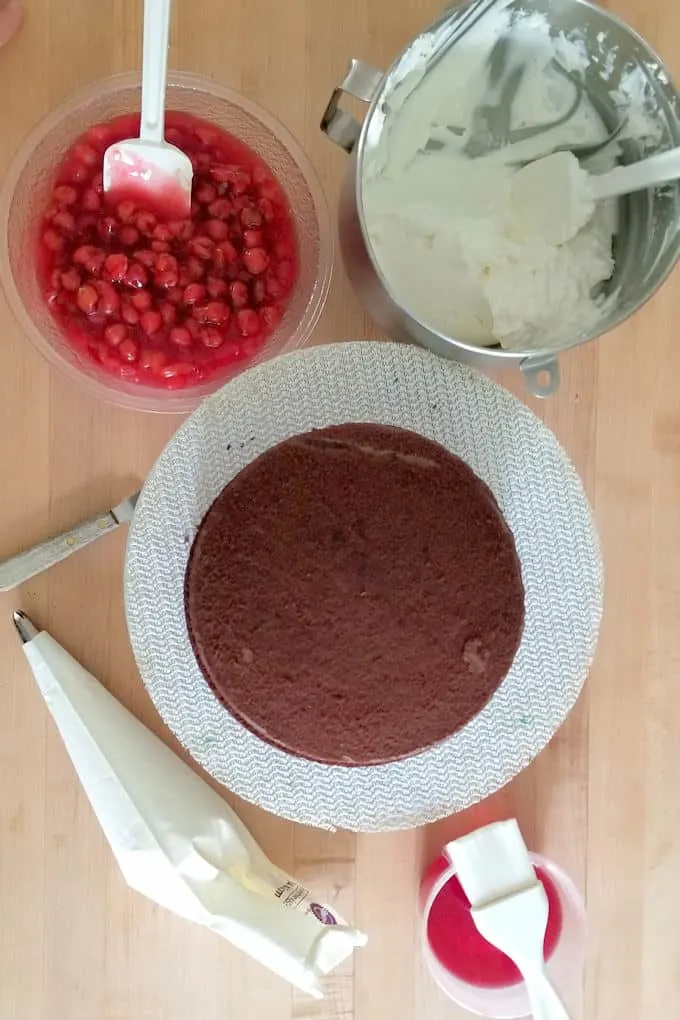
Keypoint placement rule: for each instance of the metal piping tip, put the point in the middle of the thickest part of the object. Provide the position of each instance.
(25, 626)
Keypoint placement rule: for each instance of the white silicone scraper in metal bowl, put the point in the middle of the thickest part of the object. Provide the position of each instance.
(555, 196)
(148, 169)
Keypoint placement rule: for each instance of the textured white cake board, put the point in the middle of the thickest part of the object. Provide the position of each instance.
(539, 494)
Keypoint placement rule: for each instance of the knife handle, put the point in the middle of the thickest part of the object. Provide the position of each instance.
(33, 561)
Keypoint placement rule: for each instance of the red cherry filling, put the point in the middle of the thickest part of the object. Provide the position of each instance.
(169, 303)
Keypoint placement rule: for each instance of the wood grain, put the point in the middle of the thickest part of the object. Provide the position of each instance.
(602, 799)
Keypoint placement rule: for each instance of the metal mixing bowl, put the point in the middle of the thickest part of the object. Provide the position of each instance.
(646, 246)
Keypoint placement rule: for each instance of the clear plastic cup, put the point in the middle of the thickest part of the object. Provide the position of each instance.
(565, 965)
(25, 194)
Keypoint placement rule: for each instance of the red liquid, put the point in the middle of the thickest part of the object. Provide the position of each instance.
(460, 948)
(166, 302)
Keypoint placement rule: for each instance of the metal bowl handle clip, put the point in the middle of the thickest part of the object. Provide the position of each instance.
(362, 82)
(542, 375)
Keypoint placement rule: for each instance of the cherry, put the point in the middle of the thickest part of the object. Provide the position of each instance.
(251, 218)
(136, 276)
(238, 293)
(128, 236)
(217, 230)
(146, 257)
(91, 201)
(221, 208)
(116, 266)
(215, 312)
(267, 209)
(87, 225)
(193, 293)
(125, 211)
(129, 313)
(271, 315)
(177, 369)
(216, 288)
(180, 337)
(195, 268)
(260, 175)
(116, 333)
(89, 257)
(253, 238)
(64, 194)
(52, 240)
(182, 229)
(285, 273)
(225, 254)
(70, 279)
(168, 313)
(145, 221)
(79, 173)
(248, 322)
(152, 359)
(205, 193)
(141, 300)
(107, 228)
(109, 300)
(151, 321)
(273, 287)
(166, 272)
(87, 298)
(128, 350)
(211, 337)
(258, 291)
(255, 260)
(86, 154)
(202, 247)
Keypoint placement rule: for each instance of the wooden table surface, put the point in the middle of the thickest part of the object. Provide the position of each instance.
(602, 800)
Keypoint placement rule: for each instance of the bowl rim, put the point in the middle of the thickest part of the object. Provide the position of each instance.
(142, 397)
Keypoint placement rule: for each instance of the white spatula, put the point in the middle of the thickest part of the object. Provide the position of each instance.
(509, 905)
(554, 196)
(148, 170)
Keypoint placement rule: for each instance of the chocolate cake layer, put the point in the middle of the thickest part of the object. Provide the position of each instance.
(354, 596)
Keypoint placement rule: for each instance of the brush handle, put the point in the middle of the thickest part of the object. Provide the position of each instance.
(544, 1000)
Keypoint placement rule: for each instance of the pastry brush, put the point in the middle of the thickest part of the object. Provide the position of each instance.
(509, 905)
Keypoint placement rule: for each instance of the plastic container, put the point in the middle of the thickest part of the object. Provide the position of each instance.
(510, 1002)
(24, 197)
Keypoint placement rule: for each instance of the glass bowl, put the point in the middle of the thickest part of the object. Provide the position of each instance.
(25, 195)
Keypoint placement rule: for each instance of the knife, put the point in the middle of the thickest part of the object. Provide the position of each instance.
(25, 565)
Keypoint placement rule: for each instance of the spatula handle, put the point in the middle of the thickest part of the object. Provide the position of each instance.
(646, 173)
(154, 68)
(27, 564)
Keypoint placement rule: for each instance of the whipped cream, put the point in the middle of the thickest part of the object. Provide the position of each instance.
(447, 230)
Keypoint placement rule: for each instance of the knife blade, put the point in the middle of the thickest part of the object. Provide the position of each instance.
(17, 569)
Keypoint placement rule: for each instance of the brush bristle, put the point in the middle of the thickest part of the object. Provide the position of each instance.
(492, 862)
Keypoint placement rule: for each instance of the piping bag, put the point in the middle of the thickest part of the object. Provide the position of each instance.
(176, 841)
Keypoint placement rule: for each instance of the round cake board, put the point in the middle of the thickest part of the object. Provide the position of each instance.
(539, 494)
